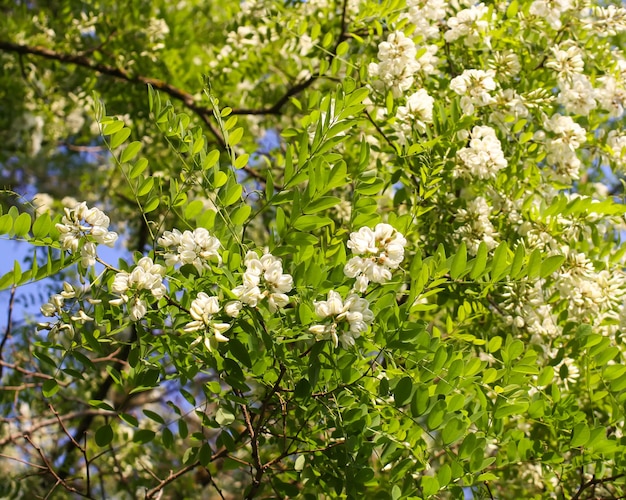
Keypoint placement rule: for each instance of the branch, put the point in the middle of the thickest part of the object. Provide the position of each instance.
(51, 421)
(172, 477)
(593, 482)
(7, 331)
(80, 60)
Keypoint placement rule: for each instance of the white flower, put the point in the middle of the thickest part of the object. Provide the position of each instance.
(417, 113)
(354, 311)
(397, 63)
(195, 247)
(484, 157)
(468, 23)
(137, 309)
(551, 10)
(203, 308)
(377, 253)
(264, 278)
(474, 85)
(87, 224)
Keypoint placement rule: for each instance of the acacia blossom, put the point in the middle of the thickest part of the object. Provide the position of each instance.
(263, 278)
(354, 311)
(483, 158)
(145, 276)
(474, 87)
(377, 253)
(88, 225)
(195, 247)
(203, 309)
(397, 63)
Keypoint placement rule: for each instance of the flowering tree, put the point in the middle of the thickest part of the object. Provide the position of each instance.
(366, 249)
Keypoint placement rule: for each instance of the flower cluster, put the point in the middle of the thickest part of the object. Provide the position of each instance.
(474, 87)
(397, 63)
(417, 113)
(561, 148)
(354, 311)
(477, 228)
(264, 278)
(425, 15)
(468, 24)
(203, 309)
(195, 247)
(377, 253)
(89, 224)
(484, 157)
(145, 276)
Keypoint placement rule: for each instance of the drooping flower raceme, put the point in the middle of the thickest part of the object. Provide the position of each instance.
(354, 311)
(195, 247)
(468, 24)
(91, 226)
(483, 158)
(145, 276)
(474, 87)
(417, 113)
(264, 278)
(377, 253)
(397, 63)
(203, 309)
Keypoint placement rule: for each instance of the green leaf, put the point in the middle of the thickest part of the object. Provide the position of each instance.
(130, 152)
(321, 204)
(146, 186)
(50, 387)
(550, 265)
(459, 261)
(112, 127)
(580, 435)
(6, 224)
(241, 161)
(453, 431)
(499, 264)
(311, 222)
(138, 168)
(143, 436)
(154, 416)
(211, 159)
(240, 215)
(402, 391)
(193, 209)
(235, 136)
(232, 194)
(41, 226)
(104, 435)
(22, 225)
(430, 485)
(224, 417)
(119, 137)
(480, 262)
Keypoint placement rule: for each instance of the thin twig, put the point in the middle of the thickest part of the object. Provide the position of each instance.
(594, 482)
(7, 331)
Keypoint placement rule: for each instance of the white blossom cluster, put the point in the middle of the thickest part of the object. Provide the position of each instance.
(146, 275)
(617, 142)
(354, 311)
(89, 224)
(477, 227)
(474, 87)
(377, 253)
(264, 278)
(526, 303)
(611, 91)
(606, 20)
(195, 247)
(417, 112)
(483, 157)
(55, 307)
(469, 24)
(551, 10)
(426, 15)
(397, 63)
(567, 137)
(203, 309)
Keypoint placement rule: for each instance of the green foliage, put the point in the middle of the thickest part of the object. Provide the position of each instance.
(344, 275)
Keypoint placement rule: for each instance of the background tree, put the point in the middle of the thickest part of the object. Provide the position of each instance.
(363, 249)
